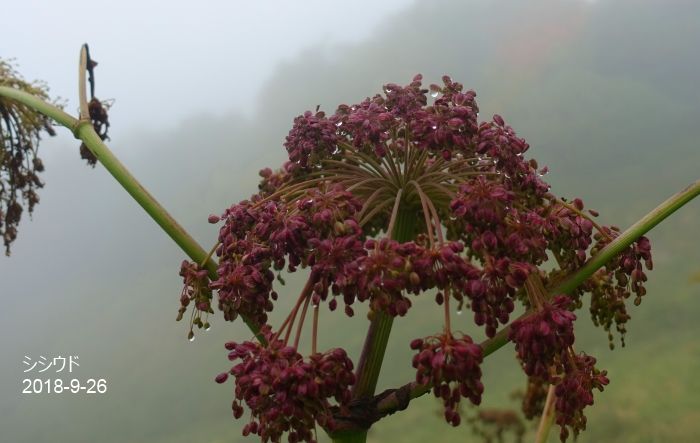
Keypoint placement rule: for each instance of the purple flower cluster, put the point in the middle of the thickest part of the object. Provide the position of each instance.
(446, 127)
(621, 277)
(258, 236)
(451, 364)
(197, 291)
(575, 391)
(312, 138)
(542, 340)
(570, 233)
(284, 391)
(477, 223)
(534, 397)
(391, 269)
(273, 180)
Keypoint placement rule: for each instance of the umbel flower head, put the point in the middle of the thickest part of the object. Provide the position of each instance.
(397, 197)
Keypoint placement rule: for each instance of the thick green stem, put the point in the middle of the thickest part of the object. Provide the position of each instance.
(372, 355)
(378, 334)
(350, 437)
(370, 363)
(83, 130)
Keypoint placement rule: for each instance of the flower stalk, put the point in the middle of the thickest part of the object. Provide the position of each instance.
(83, 130)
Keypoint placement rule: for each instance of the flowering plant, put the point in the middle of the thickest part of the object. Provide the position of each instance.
(394, 198)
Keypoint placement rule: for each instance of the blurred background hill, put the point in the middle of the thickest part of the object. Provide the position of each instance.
(605, 92)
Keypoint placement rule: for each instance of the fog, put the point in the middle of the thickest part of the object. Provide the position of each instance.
(605, 92)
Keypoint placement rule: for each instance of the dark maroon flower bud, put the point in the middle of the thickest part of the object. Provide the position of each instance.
(221, 377)
(542, 339)
(285, 392)
(452, 365)
(575, 391)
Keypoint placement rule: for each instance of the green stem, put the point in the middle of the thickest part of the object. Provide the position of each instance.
(547, 426)
(83, 130)
(391, 403)
(547, 418)
(350, 437)
(372, 356)
(41, 106)
(378, 334)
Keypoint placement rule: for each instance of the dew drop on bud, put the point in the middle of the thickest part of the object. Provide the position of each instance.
(207, 326)
(459, 312)
(434, 94)
(190, 336)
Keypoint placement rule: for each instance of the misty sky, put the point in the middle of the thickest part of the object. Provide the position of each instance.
(204, 96)
(164, 61)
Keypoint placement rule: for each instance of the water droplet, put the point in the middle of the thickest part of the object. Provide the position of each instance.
(459, 312)
(434, 93)
(315, 306)
(208, 328)
(191, 338)
(434, 127)
(339, 124)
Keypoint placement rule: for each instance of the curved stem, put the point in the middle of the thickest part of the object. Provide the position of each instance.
(314, 332)
(301, 322)
(394, 213)
(83, 130)
(426, 213)
(61, 117)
